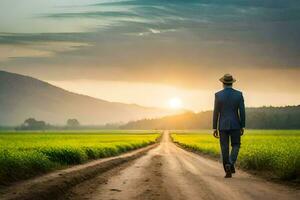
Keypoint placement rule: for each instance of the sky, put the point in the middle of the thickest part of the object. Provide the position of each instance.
(149, 52)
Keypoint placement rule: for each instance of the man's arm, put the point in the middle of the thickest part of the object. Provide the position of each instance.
(242, 112)
(216, 114)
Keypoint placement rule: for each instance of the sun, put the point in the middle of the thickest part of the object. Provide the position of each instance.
(175, 103)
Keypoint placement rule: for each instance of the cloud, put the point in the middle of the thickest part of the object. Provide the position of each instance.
(37, 49)
(27, 38)
(92, 14)
(172, 42)
(18, 46)
(155, 31)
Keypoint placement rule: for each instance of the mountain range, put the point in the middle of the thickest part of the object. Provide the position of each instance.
(22, 97)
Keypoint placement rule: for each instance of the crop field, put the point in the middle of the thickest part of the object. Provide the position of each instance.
(26, 154)
(273, 151)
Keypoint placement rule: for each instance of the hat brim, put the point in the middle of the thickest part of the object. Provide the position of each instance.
(224, 81)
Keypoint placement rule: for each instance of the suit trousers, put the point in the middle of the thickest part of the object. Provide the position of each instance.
(233, 137)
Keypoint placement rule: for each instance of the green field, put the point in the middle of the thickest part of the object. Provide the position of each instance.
(26, 154)
(274, 151)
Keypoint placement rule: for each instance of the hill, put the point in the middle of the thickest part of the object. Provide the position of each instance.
(22, 97)
(256, 118)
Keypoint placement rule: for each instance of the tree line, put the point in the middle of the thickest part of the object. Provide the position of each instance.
(71, 124)
(33, 124)
(287, 117)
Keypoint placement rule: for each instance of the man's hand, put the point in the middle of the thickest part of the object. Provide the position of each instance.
(242, 131)
(216, 133)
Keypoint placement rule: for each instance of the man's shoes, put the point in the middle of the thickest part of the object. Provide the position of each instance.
(232, 169)
(228, 171)
(228, 175)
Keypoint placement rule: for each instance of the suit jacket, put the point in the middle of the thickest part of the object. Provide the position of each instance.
(229, 110)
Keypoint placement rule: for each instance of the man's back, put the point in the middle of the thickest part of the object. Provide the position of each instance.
(229, 111)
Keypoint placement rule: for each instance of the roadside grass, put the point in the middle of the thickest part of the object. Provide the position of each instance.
(27, 154)
(273, 151)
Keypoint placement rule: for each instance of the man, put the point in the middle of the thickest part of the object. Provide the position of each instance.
(229, 122)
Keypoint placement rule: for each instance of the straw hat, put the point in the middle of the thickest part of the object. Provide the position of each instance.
(227, 79)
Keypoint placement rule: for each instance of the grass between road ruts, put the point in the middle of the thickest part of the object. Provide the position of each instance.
(27, 154)
(273, 151)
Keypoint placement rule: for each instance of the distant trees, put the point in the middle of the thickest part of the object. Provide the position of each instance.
(188, 120)
(32, 124)
(73, 123)
(256, 118)
(274, 117)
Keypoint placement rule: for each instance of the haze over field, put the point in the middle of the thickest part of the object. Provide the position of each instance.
(151, 51)
(23, 97)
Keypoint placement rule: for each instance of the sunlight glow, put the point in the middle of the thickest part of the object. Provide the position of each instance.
(175, 103)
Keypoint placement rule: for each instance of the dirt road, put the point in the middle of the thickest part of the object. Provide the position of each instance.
(169, 172)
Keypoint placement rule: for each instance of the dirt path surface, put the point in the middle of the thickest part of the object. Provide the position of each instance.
(53, 185)
(169, 172)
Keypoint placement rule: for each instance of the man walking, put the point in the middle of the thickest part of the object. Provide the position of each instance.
(229, 122)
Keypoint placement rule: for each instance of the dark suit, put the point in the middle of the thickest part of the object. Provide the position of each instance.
(229, 119)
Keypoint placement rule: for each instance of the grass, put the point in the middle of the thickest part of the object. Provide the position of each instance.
(27, 154)
(273, 151)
